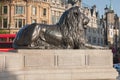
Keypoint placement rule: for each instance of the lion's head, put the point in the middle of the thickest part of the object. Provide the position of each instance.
(72, 26)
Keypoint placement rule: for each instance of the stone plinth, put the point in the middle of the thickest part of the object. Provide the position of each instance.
(57, 65)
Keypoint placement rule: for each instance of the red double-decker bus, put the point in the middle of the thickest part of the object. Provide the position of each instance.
(6, 41)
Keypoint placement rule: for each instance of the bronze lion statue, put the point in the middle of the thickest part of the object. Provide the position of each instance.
(68, 33)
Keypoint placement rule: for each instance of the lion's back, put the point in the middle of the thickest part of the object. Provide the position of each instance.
(24, 35)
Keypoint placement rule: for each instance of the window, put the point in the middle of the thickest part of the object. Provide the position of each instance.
(111, 26)
(34, 10)
(89, 39)
(98, 40)
(3, 40)
(23, 22)
(93, 30)
(45, 0)
(53, 19)
(19, 10)
(44, 12)
(57, 18)
(94, 40)
(34, 21)
(53, 13)
(11, 39)
(15, 23)
(19, 23)
(89, 29)
(98, 31)
(5, 22)
(101, 41)
(5, 10)
(101, 31)
(44, 22)
(63, 4)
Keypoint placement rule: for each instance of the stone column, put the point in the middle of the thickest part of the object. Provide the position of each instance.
(12, 13)
(28, 13)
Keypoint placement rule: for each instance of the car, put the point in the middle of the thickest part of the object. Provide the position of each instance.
(116, 66)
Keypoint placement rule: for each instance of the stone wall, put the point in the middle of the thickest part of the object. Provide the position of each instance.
(57, 65)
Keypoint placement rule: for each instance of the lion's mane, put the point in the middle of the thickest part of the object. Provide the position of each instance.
(71, 28)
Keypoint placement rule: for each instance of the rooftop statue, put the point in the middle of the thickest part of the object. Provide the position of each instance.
(73, 2)
(68, 33)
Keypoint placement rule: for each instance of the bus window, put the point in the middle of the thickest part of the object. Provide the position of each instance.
(3, 39)
(6, 40)
(11, 39)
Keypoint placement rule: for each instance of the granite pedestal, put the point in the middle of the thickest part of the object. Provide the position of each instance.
(34, 64)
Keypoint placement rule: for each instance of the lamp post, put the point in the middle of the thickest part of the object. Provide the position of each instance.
(116, 24)
(106, 25)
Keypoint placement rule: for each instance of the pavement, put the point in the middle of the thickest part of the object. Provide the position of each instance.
(118, 78)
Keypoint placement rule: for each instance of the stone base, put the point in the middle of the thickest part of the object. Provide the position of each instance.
(57, 65)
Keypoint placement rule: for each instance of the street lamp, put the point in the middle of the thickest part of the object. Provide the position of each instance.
(106, 26)
(116, 24)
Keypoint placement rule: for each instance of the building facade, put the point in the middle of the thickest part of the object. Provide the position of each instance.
(111, 27)
(94, 30)
(14, 14)
(17, 13)
(57, 8)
